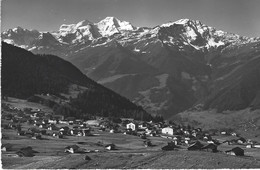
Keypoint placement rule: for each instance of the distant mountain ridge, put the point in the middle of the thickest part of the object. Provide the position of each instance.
(166, 69)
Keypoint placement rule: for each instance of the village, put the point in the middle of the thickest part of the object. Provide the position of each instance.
(32, 132)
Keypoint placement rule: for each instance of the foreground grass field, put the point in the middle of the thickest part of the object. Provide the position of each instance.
(130, 153)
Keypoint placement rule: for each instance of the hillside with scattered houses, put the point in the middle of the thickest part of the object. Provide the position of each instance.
(33, 138)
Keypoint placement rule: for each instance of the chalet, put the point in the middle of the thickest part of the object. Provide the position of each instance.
(110, 146)
(241, 140)
(64, 122)
(6, 147)
(256, 145)
(52, 127)
(176, 140)
(249, 146)
(78, 121)
(93, 122)
(211, 146)
(233, 134)
(51, 121)
(72, 149)
(236, 151)
(43, 126)
(195, 146)
(26, 152)
(83, 125)
(144, 125)
(33, 130)
(43, 132)
(36, 136)
(169, 146)
(57, 135)
(132, 126)
(79, 133)
(64, 130)
(223, 133)
(167, 131)
(21, 133)
(187, 140)
(147, 143)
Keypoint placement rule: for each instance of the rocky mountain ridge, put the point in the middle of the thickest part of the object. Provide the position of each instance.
(166, 69)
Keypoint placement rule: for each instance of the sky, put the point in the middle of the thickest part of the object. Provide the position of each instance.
(236, 16)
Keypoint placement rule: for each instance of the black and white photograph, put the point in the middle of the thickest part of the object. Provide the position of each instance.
(130, 84)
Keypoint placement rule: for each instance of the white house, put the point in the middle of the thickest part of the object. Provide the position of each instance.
(131, 126)
(167, 131)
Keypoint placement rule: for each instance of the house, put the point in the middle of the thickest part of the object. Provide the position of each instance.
(211, 146)
(256, 145)
(43, 132)
(187, 140)
(249, 146)
(64, 130)
(36, 136)
(64, 122)
(72, 149)
(53, 121)
(147, 143)
(57, 135)
(110, 146)
(52, 127)
(21, 133)
(223, 133)
(241, 140)
(233, 134)
(132, 126)
(169, 146)
(167, 131)
(26, 152)
(236, 151)
(93, 122)
(6, 147)
(195, 146)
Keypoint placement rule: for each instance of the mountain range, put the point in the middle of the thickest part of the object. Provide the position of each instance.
(166, 69)
(43, 78)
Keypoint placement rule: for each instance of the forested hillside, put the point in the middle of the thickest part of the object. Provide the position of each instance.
(25, 74)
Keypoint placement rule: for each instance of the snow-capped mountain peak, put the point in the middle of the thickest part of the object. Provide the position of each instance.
(112, 25)
(83, 23)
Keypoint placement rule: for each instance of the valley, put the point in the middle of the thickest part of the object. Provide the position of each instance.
(111, 95)
(130, 151)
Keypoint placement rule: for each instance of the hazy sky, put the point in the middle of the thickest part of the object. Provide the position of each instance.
(236, 16)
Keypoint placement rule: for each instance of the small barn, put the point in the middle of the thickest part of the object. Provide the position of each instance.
(72, 149)
(211, 147)
(147, 143)
(26, 152)
(6, 147)
(170, 146)
(110, 146)
(195, 146)
(236, 151)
